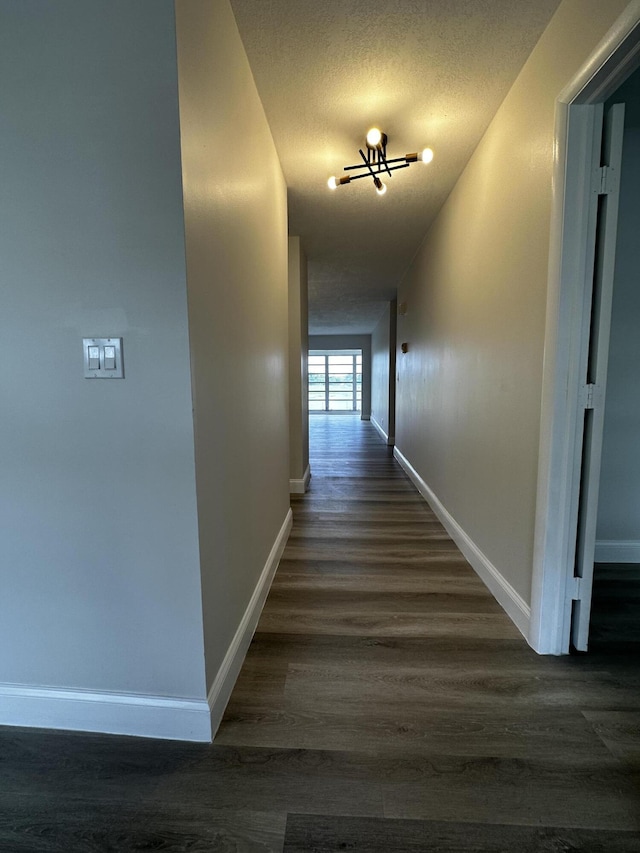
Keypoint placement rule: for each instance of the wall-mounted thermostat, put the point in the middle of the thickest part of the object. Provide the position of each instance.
(103, 358)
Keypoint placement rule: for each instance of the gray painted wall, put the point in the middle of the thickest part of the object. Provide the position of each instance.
(393, 349)
(362, 342)
(298, 361)
(236, 241)
(380, 344)
(383, 359)
(132, 543)
(98, 545)
(469, 389)
(619, 503)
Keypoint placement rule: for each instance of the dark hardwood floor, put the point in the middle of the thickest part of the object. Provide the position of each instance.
(386, 704)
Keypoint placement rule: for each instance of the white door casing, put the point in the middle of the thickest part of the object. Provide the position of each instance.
(605, 194)
(572, 246)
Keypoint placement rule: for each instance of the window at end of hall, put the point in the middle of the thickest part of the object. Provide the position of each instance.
(335, 380)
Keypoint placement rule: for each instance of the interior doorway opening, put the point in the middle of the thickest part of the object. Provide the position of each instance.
(335, 381)
(615, 606)
(585, 210)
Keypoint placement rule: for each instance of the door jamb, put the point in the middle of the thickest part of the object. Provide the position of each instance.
(558, 466)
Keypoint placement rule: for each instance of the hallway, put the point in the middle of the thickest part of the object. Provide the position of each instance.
(380, 649)
(386, 704)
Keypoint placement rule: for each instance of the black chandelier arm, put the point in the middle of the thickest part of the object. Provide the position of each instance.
(407, 160)
(382, 160)
(375, 163)
(367, 165)
(368, 174)
(361, 175)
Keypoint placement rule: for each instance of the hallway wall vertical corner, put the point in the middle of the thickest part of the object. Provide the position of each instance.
(142, 518)
(237, 286)
(383, 374)
(100, 612)
(299, 470)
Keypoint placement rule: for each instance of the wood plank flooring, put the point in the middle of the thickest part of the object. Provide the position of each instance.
(386, 704)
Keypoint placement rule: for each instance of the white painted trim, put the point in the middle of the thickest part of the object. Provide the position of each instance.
(140, 715)
(554, 543)
(556, 521)
(617, 551)
(388, 439)
(613, 59)
(513, 604)
(299, 487)
(110, 713)
(230, 669)
(379, 429)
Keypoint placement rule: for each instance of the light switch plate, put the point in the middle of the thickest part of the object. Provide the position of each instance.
(105, 370)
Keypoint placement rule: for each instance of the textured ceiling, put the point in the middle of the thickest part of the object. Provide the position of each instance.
(427, 73)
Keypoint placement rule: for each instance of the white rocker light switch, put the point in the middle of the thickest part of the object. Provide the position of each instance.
(94, 358)
(109, 357)
(103, 358)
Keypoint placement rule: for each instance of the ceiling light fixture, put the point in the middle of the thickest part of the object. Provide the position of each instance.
(375, 162)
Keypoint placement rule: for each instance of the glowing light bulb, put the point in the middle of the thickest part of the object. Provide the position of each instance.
(381, 190)
(427, 155)
(374, 137)
(332, 183)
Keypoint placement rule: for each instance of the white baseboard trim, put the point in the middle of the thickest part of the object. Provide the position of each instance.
(299, 487)
(617, 551)
(108, 713)
(511, 601)
(389, 439)
(229, 670)
(140, 715)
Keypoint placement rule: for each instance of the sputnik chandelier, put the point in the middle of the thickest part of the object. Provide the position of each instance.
(375, 163)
